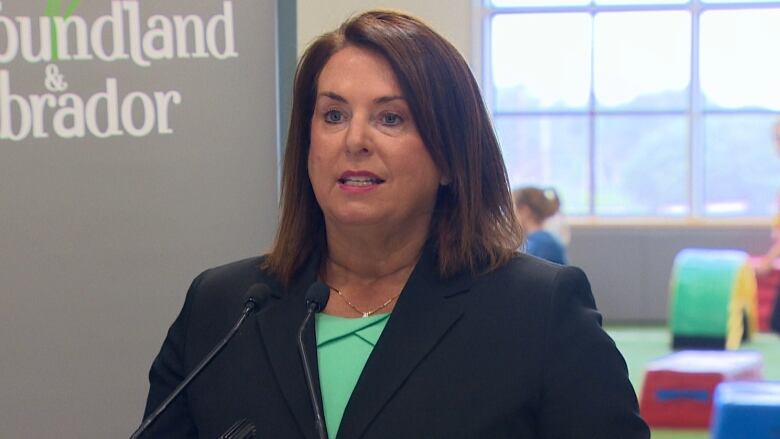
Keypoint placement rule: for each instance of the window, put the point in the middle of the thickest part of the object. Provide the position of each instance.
(638, 108)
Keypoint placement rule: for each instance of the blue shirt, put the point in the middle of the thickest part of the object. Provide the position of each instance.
(545, 245)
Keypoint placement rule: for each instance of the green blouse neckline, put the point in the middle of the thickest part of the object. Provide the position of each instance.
(343, 347)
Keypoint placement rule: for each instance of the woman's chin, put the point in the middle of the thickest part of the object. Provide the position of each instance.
(356, 218)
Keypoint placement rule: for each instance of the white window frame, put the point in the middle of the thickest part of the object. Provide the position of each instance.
(482, 14)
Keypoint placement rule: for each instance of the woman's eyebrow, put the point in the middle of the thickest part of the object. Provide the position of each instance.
(386, 99)
(334, 96)
(379, 100)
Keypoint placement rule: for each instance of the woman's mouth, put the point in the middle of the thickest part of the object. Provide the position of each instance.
(360, 181)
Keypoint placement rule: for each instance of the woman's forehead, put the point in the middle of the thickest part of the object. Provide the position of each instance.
(358, 64)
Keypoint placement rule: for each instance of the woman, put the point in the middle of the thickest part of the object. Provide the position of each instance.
(395, 195)
(533, 207)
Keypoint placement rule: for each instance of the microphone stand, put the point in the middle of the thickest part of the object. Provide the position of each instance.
(315, 403)
(250, 306)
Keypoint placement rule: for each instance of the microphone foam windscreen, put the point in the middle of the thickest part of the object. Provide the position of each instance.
(318, 294)
(257, 293)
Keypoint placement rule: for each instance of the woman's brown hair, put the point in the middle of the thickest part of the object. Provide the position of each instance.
(473, 226)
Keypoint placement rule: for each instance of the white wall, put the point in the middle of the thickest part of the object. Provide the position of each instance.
(630, 266)
(451, 18)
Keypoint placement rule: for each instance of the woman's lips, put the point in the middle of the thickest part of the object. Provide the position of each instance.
(359, 181)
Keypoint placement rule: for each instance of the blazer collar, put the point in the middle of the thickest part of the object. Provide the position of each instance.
(424, 312)
(426, 309)
(279, 325)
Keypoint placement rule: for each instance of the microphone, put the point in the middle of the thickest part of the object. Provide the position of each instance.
(242, 429)
(316, 298)
(254, 299)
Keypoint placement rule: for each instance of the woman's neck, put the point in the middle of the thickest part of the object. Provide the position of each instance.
(373, 256)
(369, 268)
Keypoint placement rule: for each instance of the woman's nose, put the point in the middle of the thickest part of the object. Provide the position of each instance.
(358, 139)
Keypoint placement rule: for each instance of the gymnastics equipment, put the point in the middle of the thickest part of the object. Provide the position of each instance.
(678, 389)
(746, 410)
(712, 299)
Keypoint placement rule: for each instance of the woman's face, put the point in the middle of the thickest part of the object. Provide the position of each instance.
(367, 162)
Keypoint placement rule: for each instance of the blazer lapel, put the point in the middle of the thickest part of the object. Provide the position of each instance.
(279, 325)
(422, 316)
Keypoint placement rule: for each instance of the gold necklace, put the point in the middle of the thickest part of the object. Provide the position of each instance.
(358, 310)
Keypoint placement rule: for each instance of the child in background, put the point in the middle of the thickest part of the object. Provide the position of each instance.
(533, 207)
(774, 250)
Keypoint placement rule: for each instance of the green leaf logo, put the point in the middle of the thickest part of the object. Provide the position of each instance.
(54, 8)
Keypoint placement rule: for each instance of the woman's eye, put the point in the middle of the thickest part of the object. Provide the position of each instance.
(391, 119)
(333, 116)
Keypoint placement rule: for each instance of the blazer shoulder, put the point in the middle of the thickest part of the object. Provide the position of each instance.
(244, 272)
(248, 267)
(224, 286)
(530, 283)
(529, 272)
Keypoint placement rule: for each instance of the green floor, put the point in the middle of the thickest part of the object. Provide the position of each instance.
(640, 345)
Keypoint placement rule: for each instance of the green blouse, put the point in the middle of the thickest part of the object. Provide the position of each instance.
(343, 346)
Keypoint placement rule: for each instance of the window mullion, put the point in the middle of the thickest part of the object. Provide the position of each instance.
(592, 120)
(696, 154)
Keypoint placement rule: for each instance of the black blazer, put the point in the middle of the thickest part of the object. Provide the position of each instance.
(516, 353)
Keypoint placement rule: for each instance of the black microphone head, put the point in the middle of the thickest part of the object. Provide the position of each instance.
(257, 294)
(317, 296)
